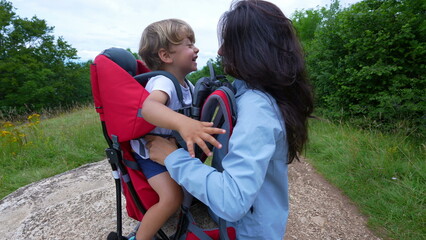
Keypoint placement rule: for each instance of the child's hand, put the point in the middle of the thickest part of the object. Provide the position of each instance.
(196, 132)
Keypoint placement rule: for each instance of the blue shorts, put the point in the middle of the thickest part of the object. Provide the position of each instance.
(149, 167)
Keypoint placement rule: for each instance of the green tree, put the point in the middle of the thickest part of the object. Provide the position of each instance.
(306, 23)
(37, 70)
(368, 61)
(205, 71)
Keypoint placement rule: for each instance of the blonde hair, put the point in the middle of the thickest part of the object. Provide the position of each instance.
(162, 34)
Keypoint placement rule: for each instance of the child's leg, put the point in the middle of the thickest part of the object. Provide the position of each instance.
(171, 197)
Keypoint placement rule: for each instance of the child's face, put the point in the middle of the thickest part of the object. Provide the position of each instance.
(184, 56)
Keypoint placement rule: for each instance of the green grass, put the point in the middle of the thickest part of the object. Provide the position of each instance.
(53, 146)
(384, 175)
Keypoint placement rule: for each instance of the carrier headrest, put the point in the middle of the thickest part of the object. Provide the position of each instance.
(123, 58)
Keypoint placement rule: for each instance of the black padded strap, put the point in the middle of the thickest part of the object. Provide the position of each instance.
(196, 230)
(223, 230)
(132, 164)
(144, 77)
(231, 98)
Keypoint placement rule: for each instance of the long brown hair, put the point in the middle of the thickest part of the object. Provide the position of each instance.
(260, 47)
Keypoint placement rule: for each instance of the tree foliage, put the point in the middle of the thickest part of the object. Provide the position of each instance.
(368, 60)
(37, 70)
(205, 71)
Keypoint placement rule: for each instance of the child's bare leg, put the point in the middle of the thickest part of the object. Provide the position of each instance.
(171, 197)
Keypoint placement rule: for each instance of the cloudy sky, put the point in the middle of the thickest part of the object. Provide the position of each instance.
(91, 26)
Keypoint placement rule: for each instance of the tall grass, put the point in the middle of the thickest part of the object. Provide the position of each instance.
(385, 175)
(50, 147)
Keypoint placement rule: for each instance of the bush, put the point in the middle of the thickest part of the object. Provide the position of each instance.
(368, 62)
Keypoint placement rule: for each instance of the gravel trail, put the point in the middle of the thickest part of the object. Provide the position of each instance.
(80, 204)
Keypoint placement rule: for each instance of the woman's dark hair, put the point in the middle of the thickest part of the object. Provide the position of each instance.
(259, 46)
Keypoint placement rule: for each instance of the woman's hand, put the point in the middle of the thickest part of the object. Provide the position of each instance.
(159, 147)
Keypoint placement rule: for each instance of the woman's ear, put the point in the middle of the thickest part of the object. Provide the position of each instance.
(165, 56)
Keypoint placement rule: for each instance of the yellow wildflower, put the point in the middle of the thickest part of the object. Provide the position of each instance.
(7, 124)
(35, 115)
(5, 133)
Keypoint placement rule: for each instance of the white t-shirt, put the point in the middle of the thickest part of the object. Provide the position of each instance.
(166, 85)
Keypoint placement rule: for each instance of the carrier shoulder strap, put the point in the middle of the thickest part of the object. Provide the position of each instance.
(222, 100)
(144, 77)
(219, 108)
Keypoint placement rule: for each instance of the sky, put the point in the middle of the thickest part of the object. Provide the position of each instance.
(91, 26)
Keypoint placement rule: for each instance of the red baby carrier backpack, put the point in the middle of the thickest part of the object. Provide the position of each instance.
(118, 87)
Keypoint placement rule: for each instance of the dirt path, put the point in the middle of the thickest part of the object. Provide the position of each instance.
(80, 204)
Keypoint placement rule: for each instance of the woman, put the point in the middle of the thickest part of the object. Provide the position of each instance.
(274, 100)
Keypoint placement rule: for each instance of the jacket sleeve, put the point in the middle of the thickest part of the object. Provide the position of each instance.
(231, 193)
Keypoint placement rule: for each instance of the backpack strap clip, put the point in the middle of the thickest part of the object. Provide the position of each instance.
(187, 111)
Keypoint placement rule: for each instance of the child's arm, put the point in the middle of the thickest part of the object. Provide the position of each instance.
(192, 131)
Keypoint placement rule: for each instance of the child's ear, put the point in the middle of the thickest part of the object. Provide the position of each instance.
(165, 56)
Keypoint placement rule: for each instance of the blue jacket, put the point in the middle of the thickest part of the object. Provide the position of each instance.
(252, 190)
